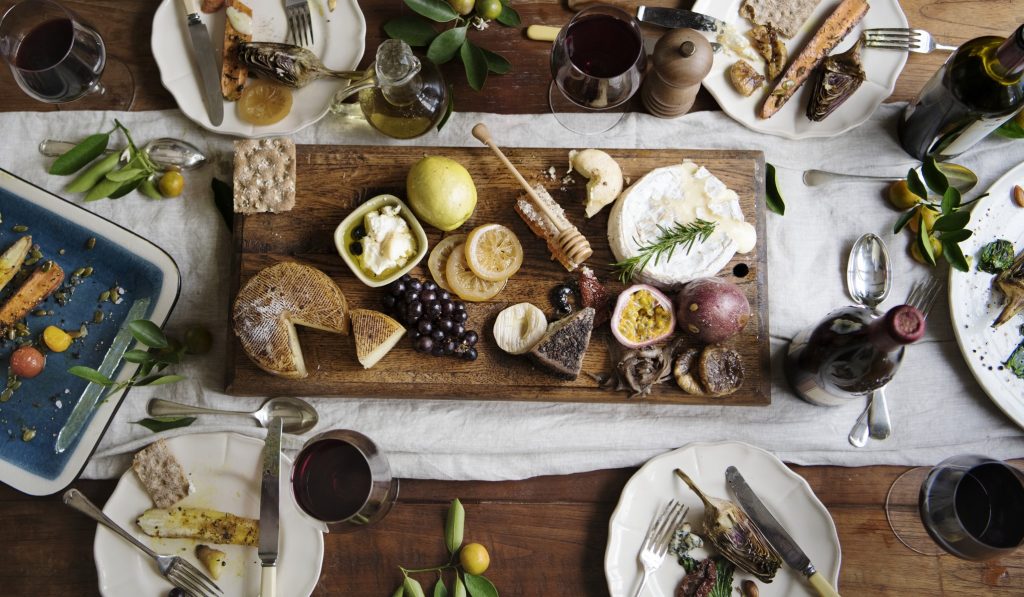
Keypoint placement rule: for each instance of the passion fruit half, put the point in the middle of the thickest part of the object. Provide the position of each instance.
(643, 316)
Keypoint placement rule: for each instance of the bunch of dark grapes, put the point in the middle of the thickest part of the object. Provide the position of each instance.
(435, 321)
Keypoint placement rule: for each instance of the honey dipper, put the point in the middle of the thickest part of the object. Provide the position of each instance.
(573, 244)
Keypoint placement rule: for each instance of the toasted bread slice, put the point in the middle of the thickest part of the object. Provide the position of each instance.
(40, 284)
(844, 18)
(161, 475)
(12, 258)
(273, 302)
(233, 73)
(375, 334)
(204, 524)
(561, 349)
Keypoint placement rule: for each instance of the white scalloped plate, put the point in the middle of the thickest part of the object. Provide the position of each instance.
(339, 41)
(785, 493)
(881, 67)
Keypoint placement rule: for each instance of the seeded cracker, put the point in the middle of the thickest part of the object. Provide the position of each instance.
(264, 175)
(786, 16)
(161, 474)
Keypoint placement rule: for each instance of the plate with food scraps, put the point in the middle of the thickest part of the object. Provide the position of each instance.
(338, 39)
(881, 69)
(975, 303)
(784, 492)
(54, 421)
(224, 469)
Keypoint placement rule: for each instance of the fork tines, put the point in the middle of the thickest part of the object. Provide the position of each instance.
(300, 24)
(659, 534)
(188, 577)
(923, 294)
(900, 39)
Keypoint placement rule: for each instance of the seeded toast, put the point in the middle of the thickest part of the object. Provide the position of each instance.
(161, 475)
(40, 284)
(560, 351)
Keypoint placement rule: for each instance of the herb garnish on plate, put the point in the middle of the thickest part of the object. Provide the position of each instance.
(669, 238)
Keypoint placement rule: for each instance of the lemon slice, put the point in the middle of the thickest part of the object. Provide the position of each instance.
(263, 102)
(493, 252)
(464, 282)
(439, 258)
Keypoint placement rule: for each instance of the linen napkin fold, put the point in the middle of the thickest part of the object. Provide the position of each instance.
(937, 407)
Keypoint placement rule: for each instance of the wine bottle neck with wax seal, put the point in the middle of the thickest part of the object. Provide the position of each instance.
(978, 88)
(850, 353)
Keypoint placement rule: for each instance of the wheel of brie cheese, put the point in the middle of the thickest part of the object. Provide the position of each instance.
(679, 194)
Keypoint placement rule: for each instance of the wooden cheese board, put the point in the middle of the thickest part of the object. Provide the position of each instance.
(331, 180)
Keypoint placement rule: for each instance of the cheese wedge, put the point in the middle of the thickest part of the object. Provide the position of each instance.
(212, 526)
(233, 73)
(844, 18)
(376, 334)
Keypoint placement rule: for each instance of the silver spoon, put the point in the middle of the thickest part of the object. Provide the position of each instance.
(868, 280)
(165, 152)
(299, 416)
(958, 176)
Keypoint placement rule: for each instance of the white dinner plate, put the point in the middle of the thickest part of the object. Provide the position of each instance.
(785, 493)
(974, 304)
(339, 41)
(881, 67)
(225, 471)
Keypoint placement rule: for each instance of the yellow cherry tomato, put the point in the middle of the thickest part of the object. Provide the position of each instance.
(56, 339)
(171, 183)
(474, 559)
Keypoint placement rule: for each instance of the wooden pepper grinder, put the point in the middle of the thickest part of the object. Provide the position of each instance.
(681, 60)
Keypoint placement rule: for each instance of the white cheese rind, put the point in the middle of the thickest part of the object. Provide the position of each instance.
(680, 193)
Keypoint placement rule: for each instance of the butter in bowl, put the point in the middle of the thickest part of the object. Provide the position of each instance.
(381, 240)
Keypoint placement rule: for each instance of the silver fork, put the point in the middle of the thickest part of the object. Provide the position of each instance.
(178, 571)
(659, 536)
(912, 40)
(299, 22)
(874, 420)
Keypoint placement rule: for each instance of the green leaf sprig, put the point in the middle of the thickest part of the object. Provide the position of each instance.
(772, 194)
(669, 238)
(464, 584)
(950, 228)
(161, 352)
(418, 31)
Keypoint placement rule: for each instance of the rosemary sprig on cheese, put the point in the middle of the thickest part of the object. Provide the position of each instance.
(669, 238)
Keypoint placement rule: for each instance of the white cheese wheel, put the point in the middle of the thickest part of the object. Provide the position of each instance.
(679, 194)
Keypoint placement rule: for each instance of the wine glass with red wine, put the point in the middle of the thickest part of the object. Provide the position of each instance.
(969, 506)
(596, 64)
(56, 58)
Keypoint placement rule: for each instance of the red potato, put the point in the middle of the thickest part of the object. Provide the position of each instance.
(27, 362)
(712, 310)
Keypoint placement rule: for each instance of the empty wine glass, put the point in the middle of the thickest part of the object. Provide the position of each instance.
(969, 506)
(596, 63)
(56, 57)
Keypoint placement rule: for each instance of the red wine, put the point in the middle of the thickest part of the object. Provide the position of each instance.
(850, 352)
(989, 502)
(58, 61)
(331, 480)
(602, 45)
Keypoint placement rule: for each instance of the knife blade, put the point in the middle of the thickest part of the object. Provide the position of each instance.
(206, 61)
(775, 533)
(270, 494)
(674, 18)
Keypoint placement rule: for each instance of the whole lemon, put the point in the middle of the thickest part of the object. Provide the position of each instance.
(441, 192)
(474, 559)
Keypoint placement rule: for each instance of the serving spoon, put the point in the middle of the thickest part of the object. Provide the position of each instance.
(868, 280)
(166, 153)
(298, 415)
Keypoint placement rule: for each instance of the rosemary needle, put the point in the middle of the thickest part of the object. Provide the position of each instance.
(669, 238)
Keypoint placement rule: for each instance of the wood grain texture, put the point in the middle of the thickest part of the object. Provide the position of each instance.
(126, 26)
(546, 537)
(331, 180)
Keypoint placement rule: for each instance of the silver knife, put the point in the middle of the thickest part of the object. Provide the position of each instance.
(206, 61)
(674, 18)
(776, 533)
(270, 493)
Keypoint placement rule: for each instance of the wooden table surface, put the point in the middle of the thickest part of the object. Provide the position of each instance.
(546, 535)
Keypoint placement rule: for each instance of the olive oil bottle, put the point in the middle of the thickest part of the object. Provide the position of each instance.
(972, 94)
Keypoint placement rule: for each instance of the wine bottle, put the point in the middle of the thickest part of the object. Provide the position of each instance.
(850, 353)
(977, 89)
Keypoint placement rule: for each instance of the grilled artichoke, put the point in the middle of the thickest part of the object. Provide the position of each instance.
(839, 77)
(735, 536)
(1011, 283)
(289, 65)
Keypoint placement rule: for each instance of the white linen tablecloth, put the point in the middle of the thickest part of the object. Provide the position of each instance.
(937, 407)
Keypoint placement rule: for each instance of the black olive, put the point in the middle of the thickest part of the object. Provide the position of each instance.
(356, 248)
(358, 232)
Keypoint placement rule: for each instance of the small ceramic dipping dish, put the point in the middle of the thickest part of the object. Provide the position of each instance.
(343, 239)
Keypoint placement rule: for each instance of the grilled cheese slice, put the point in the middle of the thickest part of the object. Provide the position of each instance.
(12, 258)
(211, 526)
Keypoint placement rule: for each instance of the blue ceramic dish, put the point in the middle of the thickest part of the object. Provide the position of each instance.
(44, 404)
